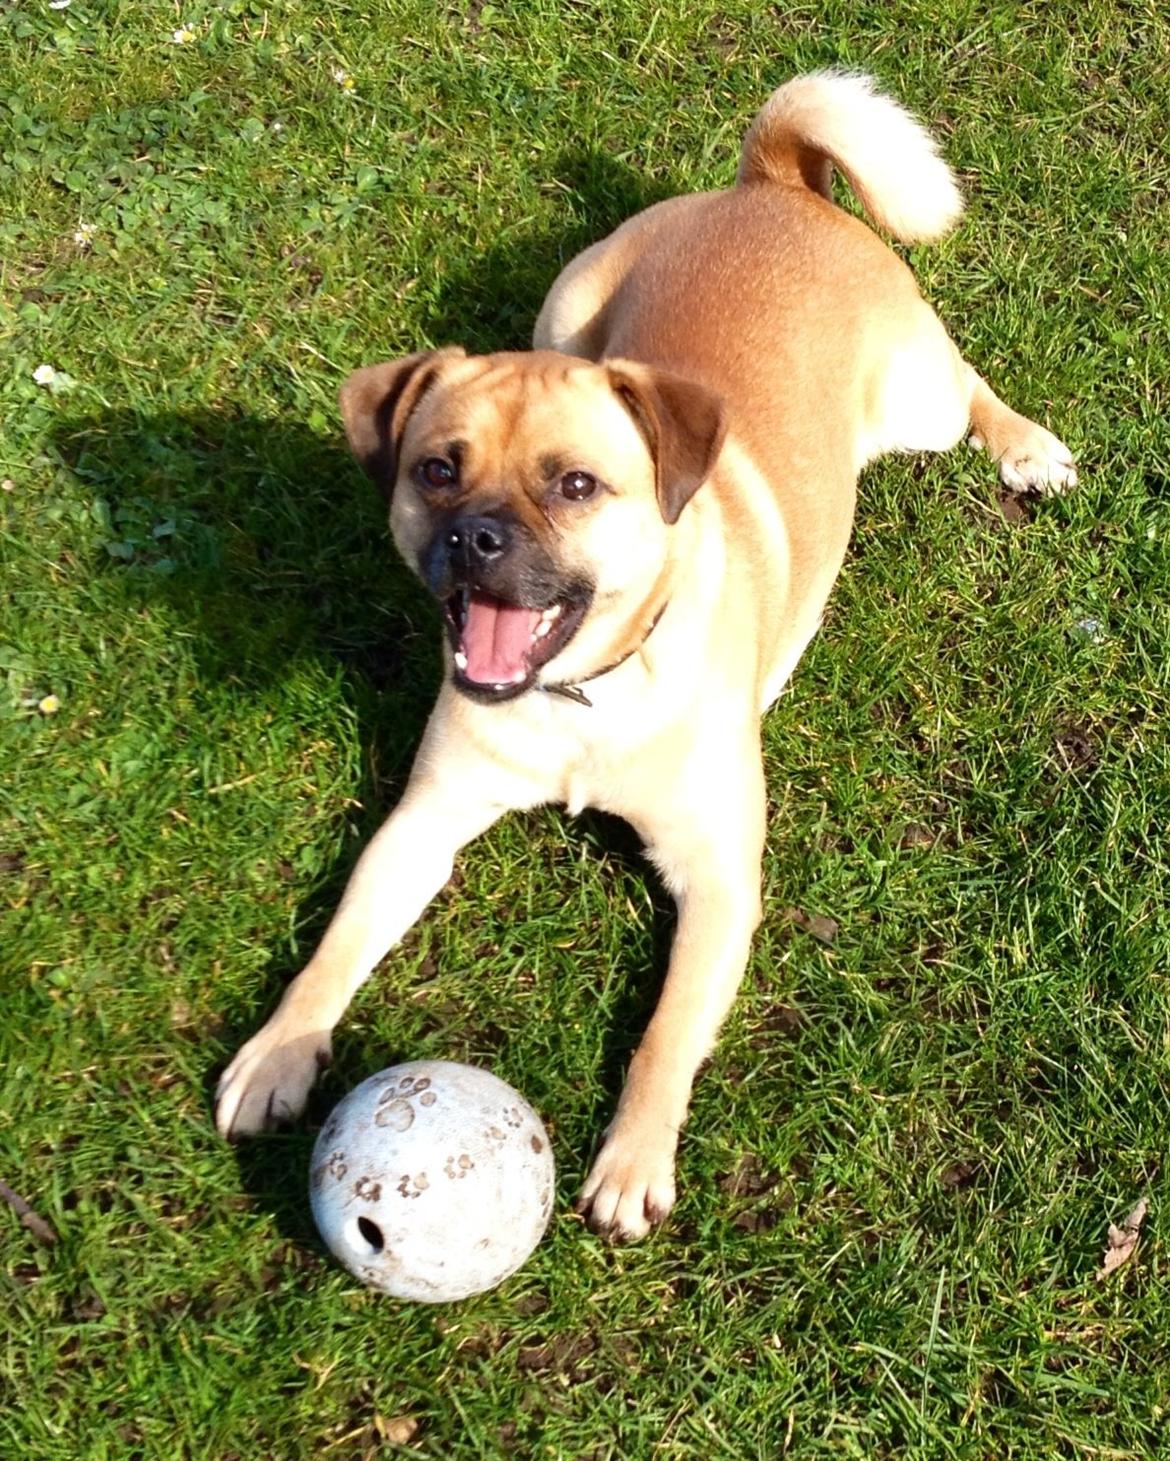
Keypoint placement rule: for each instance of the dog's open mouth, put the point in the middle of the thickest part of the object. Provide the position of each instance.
(500, 646)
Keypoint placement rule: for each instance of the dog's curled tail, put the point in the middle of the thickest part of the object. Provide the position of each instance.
(826, 119)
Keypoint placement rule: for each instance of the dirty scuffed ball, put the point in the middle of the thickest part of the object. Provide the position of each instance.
(432, 1181)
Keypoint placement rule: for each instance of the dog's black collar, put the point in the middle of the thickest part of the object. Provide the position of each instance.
(575, 693)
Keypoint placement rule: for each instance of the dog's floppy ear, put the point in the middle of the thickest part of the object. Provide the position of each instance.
(376, 403)
(684, 425)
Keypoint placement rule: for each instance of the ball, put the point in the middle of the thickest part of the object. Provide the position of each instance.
(432, 1181)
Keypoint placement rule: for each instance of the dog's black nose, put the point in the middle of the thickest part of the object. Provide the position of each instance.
(476, 542)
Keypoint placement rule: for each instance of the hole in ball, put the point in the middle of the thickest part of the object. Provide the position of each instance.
(372, 1233)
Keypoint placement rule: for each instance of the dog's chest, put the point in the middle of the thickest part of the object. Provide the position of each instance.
(592, 750)
(613, 749)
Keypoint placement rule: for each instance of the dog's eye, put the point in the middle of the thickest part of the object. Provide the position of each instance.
(576, 486)
(435, 472)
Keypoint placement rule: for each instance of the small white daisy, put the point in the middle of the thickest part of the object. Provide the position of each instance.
(183, 36)
(343, 78)
(83, 235)
(44, 375)
(60, 4)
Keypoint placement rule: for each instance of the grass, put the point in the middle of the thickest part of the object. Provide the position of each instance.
(901, 1164)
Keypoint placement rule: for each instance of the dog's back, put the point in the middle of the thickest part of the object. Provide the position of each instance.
(768, 292)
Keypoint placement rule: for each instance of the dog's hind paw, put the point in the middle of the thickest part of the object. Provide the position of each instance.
(269, 1081)
(630, 1188)
(1032, 459)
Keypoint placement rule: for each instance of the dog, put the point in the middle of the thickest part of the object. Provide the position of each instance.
(632, 531)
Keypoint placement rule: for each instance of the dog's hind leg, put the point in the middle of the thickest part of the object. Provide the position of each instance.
(573, 317)
(928, 398)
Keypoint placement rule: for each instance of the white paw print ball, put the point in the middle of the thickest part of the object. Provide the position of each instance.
(432, 1181)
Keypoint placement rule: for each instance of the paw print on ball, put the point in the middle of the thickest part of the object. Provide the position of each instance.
(409, 1186)
(395, 1108)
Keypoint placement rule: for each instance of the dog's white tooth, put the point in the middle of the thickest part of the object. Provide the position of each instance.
(553, 612)
(460, 660)
(543, 628)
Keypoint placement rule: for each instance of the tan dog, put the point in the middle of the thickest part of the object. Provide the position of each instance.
(633, 539)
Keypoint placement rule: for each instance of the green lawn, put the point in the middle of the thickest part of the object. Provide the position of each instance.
(904, 1157)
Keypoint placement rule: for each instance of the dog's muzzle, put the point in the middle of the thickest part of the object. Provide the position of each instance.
(508, 608)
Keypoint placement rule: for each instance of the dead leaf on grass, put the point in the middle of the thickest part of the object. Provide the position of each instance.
(1123, 1240)
(822, 928)
(958, 1175)
(565, 1355)
(36, 1224)
(1014, 509)
(399, 1430)
(748, 1179)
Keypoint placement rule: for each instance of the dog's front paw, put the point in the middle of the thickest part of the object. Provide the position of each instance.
(269, 1081)
(1033, 460)
(631, 1186)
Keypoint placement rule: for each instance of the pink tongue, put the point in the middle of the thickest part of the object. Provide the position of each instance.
(496, 640)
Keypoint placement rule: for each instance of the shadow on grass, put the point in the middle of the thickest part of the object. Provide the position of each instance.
(262, 542)
(492, 303)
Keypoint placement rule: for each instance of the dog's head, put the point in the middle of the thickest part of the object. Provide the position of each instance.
(535, 495)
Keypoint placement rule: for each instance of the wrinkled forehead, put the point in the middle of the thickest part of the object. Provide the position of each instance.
(522, 409)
